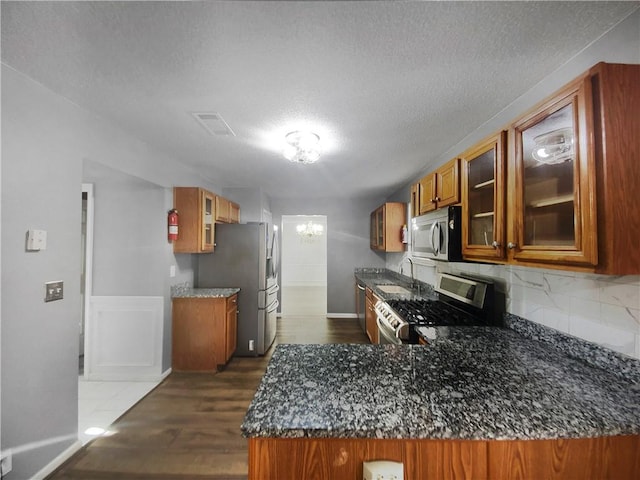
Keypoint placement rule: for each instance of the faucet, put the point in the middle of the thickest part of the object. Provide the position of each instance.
(413, 280)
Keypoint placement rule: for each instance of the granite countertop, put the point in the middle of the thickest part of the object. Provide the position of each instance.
(468, 383)
(204, 292)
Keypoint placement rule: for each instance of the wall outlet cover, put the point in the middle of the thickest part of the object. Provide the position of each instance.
(36, 240)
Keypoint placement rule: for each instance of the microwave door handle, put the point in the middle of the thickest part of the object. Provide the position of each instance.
(433, 245)
(435, 242)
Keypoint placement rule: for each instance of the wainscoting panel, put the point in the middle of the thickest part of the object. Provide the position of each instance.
(124, 339)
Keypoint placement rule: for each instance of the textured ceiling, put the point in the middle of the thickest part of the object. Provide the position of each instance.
(388, 86)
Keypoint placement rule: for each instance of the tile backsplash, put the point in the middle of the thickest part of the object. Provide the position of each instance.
(603, 309)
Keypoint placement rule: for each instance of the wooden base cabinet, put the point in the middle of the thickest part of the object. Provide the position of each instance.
(204, 333)
(370, 316)
(612, 458)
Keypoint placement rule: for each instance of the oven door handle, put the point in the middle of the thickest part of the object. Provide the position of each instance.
(382, 330)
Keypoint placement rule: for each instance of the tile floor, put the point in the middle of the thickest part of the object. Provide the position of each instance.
(101, 403)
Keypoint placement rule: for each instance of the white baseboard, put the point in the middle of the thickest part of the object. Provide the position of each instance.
(342, 315)
(56, 462)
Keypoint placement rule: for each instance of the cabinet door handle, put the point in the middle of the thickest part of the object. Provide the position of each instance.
(511, 245)
(495, 244)
(438, 199)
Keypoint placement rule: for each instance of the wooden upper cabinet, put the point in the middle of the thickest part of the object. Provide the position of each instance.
(226, 210)
(616, 123)
(427, 194)
(222, 209)
(440, 188)
(448, 183)
(386, 224)
(554, 216)
(483, 208)
(196, 211)
(234, 212)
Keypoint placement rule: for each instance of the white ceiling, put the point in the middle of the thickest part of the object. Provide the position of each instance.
(388, 86)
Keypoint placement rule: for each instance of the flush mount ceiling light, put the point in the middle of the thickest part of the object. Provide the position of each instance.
(302, 147)
(554, 147)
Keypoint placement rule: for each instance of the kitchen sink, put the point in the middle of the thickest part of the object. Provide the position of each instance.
(394, 289)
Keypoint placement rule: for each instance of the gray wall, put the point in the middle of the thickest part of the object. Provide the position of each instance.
(45, 140)
(347, 241)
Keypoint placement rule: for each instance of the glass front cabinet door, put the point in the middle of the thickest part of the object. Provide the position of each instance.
(483, 225)
(554, 204)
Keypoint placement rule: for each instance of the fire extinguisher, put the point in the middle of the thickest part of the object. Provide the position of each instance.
(173, 224)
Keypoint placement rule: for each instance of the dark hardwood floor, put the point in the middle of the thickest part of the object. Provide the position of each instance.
(188, 427)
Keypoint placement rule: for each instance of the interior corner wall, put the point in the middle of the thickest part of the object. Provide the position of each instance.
(347, 241)
(45, 139)
(41, 187)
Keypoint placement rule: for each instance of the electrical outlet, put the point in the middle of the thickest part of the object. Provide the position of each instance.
(382, 470)
(5, 462)
(251, 346)
(53, 291)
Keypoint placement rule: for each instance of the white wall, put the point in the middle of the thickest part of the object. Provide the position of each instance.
(45, 140)
(303, 278)
(600, 308)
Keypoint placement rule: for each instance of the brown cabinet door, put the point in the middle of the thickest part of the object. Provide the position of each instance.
(427, 194)
(380, 228)
(554, 195)
(194, 334)
(483, 191)
(208, 214)
(222, 209)
(373, 230)
(370, 318)
(415, 200)
(196, 210)
(448, 184)
(234, 212)
(231, 327)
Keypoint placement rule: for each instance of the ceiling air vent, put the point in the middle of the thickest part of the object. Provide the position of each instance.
(214, 124)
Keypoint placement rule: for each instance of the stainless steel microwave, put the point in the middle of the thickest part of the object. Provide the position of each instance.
(437, 235)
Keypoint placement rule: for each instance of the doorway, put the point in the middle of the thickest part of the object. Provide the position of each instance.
(86, 275)
(304, 265)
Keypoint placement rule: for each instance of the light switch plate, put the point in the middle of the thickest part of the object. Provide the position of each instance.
(53, 291)
(36, 240)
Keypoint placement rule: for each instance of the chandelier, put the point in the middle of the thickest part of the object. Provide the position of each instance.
(302, 147)
(309, 229)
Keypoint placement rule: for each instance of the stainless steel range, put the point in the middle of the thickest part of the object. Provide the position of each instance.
(460, 301)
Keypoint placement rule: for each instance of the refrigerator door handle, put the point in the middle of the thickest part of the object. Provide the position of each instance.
(273, 306)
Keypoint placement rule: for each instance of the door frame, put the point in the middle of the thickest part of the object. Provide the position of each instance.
(88, 274)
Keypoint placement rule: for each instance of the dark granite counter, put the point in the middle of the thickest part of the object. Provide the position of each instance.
(468, 383)
(204, 292)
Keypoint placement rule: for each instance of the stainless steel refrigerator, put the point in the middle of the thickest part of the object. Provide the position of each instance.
(244, 257)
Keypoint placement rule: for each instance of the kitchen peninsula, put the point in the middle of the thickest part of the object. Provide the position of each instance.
(476, 402)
